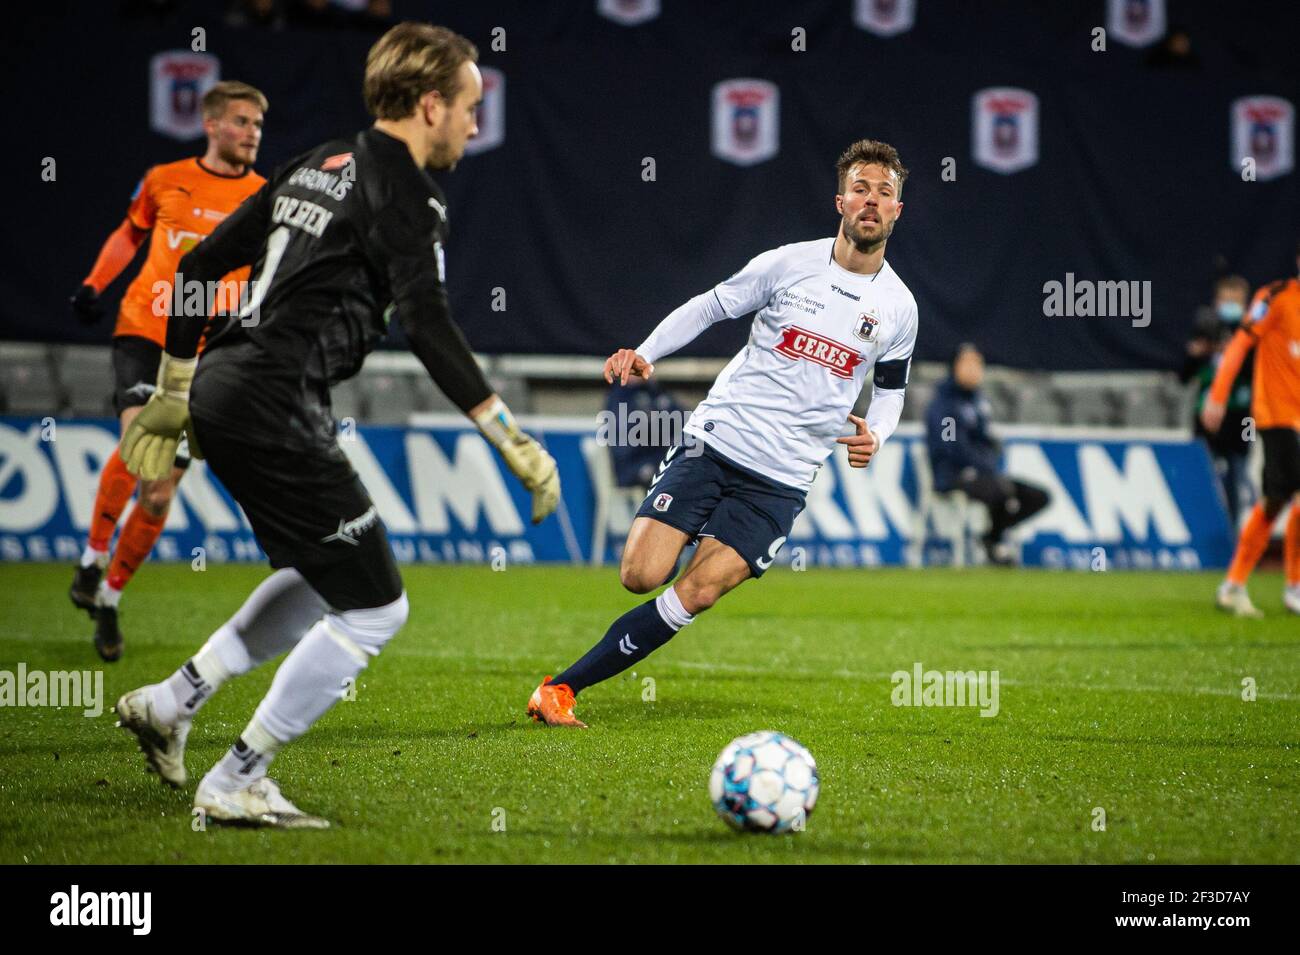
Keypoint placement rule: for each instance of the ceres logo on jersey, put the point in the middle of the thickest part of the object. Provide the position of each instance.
(1263, 130)
(885, 17)
(1005, 128)
(746, 121)
(491, 113)
(801, 344)
(178, 80)
(1135, 22)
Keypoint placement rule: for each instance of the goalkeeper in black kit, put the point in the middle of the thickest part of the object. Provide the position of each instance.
(338, 236)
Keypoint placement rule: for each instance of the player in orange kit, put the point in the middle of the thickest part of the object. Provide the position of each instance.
(1273, 324)
(180, 203)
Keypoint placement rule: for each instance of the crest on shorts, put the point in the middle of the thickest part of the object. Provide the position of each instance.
(866, 327)
(1135, 22)
(746, 121)
(1004, 128)
(178, 80)
(884, 17)
(628, 12)
(1263, 129)
(491, 113)
(662, 502)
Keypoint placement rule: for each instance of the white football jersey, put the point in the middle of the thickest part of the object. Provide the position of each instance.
(819, 331)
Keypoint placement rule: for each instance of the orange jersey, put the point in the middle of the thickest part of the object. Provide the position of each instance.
(181, 202)
(1274, 321)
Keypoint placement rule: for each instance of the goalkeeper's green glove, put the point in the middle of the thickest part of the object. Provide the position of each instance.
(149, 446)
(526, 459)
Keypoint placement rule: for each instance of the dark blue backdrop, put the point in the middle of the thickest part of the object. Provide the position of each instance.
(1134, 180)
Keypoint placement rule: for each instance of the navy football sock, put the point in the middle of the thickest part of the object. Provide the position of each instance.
(630, 638)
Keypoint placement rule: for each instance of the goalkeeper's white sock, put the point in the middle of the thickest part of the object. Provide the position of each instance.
(312, 678)
(274, 618)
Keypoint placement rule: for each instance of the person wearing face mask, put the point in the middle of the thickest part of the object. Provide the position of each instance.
(1228, 447)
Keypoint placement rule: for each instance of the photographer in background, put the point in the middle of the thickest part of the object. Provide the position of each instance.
(1228, 447)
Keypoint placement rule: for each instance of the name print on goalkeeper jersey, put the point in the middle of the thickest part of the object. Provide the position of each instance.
(345, 236)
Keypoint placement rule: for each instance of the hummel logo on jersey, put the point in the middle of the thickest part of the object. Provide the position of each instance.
(856, 298)
(349, 531)
(800, 343)
(663, 502)
(626, 646)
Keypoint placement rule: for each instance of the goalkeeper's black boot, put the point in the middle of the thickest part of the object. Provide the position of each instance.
(108, 638)
(85, 582)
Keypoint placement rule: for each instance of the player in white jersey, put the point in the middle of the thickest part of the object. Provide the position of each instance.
(828, 314)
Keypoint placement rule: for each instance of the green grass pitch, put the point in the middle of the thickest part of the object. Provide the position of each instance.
(1118, 691)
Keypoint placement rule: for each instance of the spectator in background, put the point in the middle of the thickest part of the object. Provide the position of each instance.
(964, 455)
(1228, 446)
(635, 461)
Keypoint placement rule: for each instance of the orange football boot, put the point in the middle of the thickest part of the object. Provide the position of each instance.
(552, 704)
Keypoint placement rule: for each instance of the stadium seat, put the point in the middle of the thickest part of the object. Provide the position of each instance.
(390, 398)
(1085, 404)
(919, 396)
(347, 400)
(952, 515)
(1036, 403)
(1001, 396)
(28, 383)
(1144, 406)
(86, 374)
(1180, 403)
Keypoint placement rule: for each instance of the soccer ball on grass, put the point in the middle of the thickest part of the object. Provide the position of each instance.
(765, 782)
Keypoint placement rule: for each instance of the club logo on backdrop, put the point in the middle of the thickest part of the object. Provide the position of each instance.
(866, 327)
(1263, 129)
(1005, 128)
(628, 12)
(884, 17)
(178, 80)
(746, 121)
(491, 113)
(1135, 22)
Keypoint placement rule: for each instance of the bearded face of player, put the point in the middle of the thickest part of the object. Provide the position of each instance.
(237, 134)
(869, 206)
(457, 122)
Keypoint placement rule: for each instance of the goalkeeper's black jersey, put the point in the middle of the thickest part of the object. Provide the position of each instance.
(341, 238)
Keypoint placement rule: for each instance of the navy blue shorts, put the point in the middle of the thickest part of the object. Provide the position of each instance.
(705, 495)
